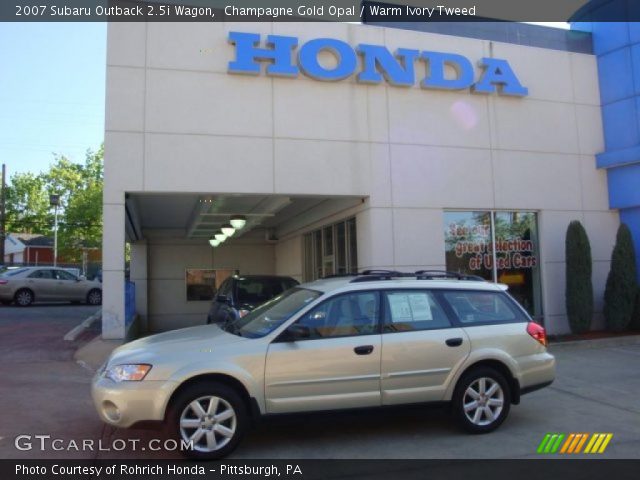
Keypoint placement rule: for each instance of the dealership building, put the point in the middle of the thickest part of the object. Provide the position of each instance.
(341, 147)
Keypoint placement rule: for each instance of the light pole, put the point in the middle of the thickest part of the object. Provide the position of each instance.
(54, 201)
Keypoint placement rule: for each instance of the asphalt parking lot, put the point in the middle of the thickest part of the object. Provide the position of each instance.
(43, 391)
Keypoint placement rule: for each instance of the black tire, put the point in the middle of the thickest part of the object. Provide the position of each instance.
(181, 409)
(23, 297)
(479, 419)
(94, 297)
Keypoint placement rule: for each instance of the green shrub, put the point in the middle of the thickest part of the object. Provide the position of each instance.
(579, 289)
(635, 321)
(620, 293)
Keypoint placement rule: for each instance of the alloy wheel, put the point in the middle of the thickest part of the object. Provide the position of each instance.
(483, 401)
(24, 298)
(208, 422)
(95, 297)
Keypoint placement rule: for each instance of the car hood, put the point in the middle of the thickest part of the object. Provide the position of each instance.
(176, 341)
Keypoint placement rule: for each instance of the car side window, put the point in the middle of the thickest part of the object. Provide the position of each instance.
(62, 275)
(45, 274)
(475, 307)
(412, 310)
(344, 315)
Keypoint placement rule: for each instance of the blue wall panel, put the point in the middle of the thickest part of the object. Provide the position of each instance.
(635, 67)
(617, 46)
(634, 32)
(624, 186)
(613, 86)
(620, 124)
(608, 36)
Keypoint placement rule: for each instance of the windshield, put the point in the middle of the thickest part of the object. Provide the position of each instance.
(255, 291)
(269, 316)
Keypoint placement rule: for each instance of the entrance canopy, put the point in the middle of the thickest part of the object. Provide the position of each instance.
(199, 216)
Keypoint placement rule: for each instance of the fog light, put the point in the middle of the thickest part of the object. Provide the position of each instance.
(111, 411)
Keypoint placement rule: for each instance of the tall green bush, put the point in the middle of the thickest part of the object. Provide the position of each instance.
(621, 290)
(635, 320)
(579, 289)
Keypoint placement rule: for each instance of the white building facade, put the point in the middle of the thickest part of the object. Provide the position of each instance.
(334, 176)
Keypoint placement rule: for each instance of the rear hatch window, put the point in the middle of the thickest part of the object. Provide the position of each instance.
(481, 307)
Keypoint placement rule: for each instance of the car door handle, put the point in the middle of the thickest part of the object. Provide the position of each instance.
(363, 349)
(454, 342)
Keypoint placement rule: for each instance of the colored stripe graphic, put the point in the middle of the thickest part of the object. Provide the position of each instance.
(551, 442)
(581, 443)
(573, 443)
(598, 443)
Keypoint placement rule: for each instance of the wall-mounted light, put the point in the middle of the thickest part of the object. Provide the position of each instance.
(228, 230)
(238, 221)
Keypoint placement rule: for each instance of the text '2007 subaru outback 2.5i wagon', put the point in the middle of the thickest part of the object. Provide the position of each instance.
(375, 339)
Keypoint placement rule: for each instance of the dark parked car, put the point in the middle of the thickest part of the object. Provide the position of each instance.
(238, 295)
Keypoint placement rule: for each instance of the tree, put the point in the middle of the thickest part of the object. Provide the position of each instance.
(80, 189)
(621, 289)
(27, 204)
(579, 289)
(635, 321)
(80, 210)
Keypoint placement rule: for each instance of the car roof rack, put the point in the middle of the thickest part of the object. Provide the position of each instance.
(435, 274)
(376, 275)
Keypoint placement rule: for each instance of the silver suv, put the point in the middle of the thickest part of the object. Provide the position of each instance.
(379, 338)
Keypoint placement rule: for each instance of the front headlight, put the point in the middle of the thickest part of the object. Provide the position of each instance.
(127, 373)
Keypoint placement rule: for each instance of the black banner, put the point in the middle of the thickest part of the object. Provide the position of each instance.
(319, 10)
(322, 469)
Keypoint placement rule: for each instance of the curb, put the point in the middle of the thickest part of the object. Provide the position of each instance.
(78, 329)
(599, 342)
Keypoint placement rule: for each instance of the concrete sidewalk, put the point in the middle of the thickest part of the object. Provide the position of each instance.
(95, 353)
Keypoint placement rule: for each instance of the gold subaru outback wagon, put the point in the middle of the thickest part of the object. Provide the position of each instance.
(374, 339)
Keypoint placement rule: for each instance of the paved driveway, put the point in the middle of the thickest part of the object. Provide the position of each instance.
(43, 391)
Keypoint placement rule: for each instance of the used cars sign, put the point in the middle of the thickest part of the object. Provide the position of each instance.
(377, 64)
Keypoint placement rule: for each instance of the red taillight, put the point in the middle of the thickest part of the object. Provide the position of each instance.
(537, 332)
(4, 282)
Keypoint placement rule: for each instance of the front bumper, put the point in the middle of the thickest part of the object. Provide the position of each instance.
(125, 403)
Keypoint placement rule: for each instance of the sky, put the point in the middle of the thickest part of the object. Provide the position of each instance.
(52, 83)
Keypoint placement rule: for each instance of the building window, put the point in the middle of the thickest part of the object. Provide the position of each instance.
(331, 250)
(500, 247)
(203, 283)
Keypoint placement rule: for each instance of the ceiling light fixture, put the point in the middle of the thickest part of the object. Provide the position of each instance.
(228, 230)
(214, 242)
(238, 221)
(221, 237)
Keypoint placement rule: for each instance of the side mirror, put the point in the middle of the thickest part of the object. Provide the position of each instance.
(81, 278)
(295, 332)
